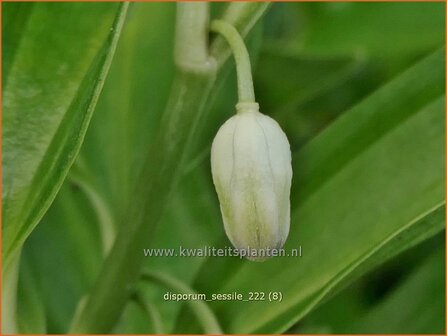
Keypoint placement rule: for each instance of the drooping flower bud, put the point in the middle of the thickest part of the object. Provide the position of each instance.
(252, 173)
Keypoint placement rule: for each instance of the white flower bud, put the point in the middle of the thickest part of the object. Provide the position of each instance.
(252, 173)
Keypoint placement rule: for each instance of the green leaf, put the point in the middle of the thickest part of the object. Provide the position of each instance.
(14, 22)
(367, 188)
(355, 206)
(54, 77)
(306, 44)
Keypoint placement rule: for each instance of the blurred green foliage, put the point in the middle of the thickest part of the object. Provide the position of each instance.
(358, 89)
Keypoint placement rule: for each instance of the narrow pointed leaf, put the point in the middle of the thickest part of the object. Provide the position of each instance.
(54, 77)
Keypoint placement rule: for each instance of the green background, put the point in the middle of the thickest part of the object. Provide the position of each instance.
(359, 89)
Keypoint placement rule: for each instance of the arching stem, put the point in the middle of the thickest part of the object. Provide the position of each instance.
(243, 67)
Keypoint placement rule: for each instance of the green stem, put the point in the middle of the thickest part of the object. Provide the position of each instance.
(200, 309)
(243, 67)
